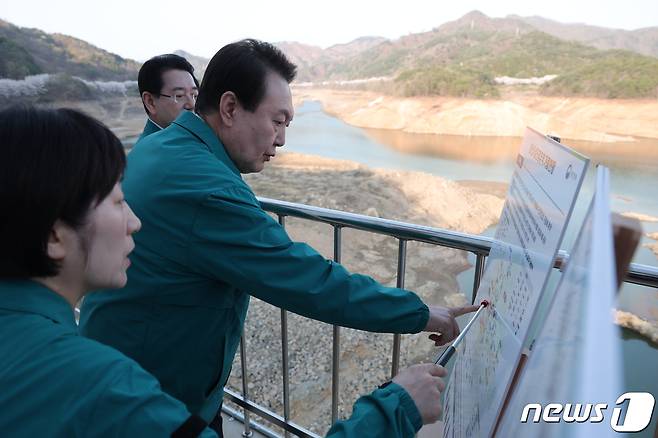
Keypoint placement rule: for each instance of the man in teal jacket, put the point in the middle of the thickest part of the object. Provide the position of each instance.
(167, 87)
(206, 244)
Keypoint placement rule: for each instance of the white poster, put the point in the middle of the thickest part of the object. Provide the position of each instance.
(544, 186)
(569, 366)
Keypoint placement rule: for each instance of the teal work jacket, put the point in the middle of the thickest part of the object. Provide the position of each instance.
(204, 247)
(56, 383)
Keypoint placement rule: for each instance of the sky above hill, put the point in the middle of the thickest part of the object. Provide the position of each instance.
(141, 29)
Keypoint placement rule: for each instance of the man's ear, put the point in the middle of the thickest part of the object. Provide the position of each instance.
(228, 105)
(59, 240)
(149, 102)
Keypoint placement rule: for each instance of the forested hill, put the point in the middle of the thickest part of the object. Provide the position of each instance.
(31, 51)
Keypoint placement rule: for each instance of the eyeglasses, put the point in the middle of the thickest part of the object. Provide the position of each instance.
(181, 97)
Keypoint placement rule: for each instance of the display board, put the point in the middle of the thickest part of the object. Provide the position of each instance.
(575, 360)
(542, 192)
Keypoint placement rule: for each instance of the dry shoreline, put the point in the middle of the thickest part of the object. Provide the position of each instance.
(596, 120)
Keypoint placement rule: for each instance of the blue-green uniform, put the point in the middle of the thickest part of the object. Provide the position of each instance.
(204, 247)
(56, 383)
(386, 413)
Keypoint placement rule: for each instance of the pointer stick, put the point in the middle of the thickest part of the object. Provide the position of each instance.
(448, 352)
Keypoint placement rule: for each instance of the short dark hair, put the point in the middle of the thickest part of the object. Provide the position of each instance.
(56, 164)
(150, 74)
(241, 67)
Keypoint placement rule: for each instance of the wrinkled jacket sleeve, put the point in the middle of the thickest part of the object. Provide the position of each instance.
(234, 241)
(387, 412)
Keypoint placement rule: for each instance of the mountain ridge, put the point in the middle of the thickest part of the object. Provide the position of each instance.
(463, 57)
(643, 41)
(457, 58)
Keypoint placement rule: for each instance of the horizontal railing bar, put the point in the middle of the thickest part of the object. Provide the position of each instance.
(402, 230)
(639, 274)
(268, 415)
(642, 275)
(254, 424)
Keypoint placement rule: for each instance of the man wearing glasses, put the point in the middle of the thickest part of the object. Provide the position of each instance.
(167, 86)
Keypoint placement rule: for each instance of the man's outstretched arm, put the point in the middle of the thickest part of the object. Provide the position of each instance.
(234, 241)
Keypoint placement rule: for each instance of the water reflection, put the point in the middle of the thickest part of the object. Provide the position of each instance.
(482, 149)
(488, 149)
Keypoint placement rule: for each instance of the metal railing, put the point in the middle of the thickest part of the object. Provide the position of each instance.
(479, 246)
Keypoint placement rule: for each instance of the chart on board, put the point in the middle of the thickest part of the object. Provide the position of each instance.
(545, 184)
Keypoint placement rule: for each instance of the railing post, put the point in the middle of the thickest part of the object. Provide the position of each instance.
(335, 354)
(284, 355)
(477, 276)
(402, 264)
(245, 388)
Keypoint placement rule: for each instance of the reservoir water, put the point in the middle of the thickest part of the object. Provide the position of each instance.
(634, 180)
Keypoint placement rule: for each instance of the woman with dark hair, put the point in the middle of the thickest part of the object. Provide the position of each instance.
(65, 231)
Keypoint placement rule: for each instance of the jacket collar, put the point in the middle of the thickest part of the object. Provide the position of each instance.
(150, 128)
(28, 296)
(197, 126)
